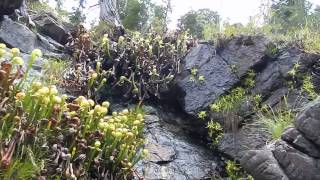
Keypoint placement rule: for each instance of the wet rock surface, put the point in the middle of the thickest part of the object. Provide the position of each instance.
(173, 155)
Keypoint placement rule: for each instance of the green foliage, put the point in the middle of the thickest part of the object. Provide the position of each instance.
(141, 66)
(249, 80)
(290, 14)
(196, 21)
(235, 171)
(77, 17)
(135, 14)
(276, 121)
(202, 115)
(229, 102)
(308, 87)
(38, 6)
(53, 69)
(44, 136)
(159, 17)
(201, 79)
(215, 132)
(294, 71)
(99, 30)
(194, 73)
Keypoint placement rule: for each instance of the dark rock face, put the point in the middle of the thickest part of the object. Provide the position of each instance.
(246, 52)
(17, 35)
(293, 137)
(262, 165)
(222, 70)
(49, 25)
(7, 7)
(308, 123)
(219, 78)
(173, 155)
(275, 75)
(296, 154)
(296, 165)
(251, 136)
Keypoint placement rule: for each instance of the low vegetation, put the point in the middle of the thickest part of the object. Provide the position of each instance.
(276, 121)
(44, 135)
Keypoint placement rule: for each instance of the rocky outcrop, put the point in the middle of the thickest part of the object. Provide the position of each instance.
(245, 52)
(51, 26)
(275, 74)
(251, 136)
(295, 156)
(222, 69)
(218, 79)
(20, 36)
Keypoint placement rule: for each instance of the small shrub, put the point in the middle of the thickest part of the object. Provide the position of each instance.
(136, 66)
(202, 115)
(308, 87)
(215, 131)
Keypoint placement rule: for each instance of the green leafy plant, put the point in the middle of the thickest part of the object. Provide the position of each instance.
(215, 131)
(202, 115)
(308, 87)
(235, 172)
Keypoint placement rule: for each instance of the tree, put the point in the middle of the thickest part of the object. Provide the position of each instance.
(289, 14)
(109, 12)
(195, 21)
(136, 14)
(159, 18)
(314, 19)
(77, 17)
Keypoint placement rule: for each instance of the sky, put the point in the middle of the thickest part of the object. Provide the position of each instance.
(235, 11)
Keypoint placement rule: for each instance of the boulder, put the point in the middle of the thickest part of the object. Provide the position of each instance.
(275, 74)
(51, 26)
(235, 145)
(308, 122)
(245, 52)
(195, 96)
(296, 139)
(297, 165)
(262, 165)
(297, 152)
(18, 35)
